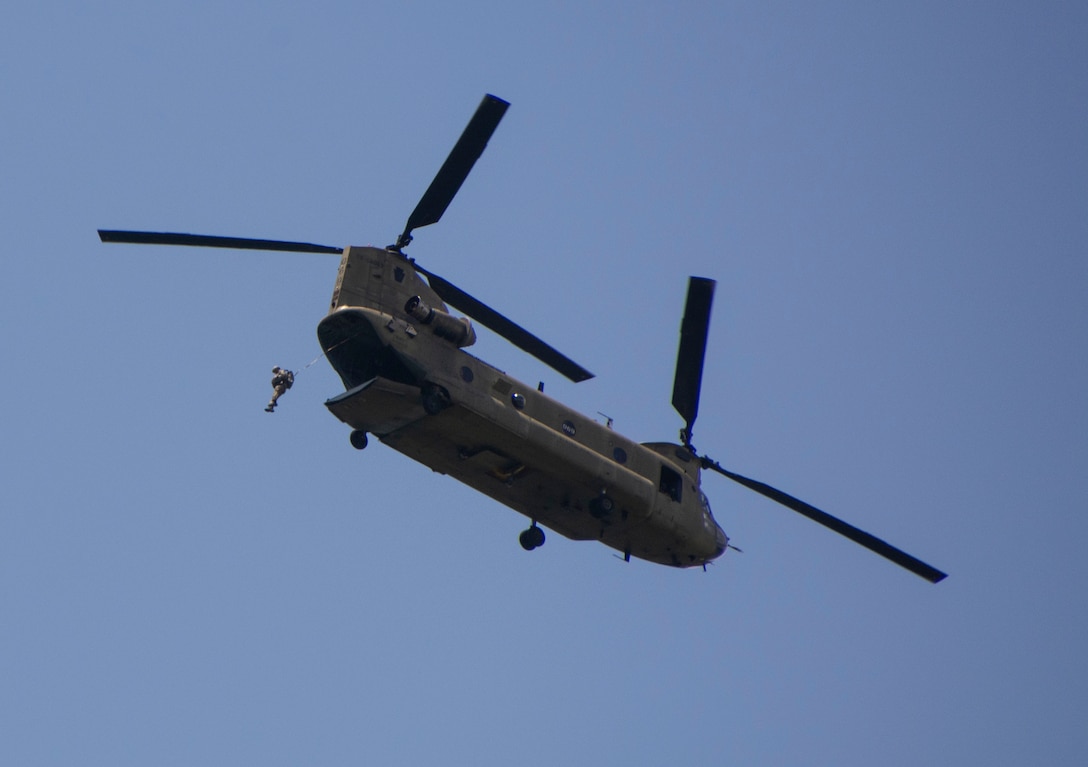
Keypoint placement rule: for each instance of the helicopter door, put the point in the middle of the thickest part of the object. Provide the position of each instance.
(671, 483)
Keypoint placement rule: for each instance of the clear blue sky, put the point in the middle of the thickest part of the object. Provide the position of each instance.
(894, 201)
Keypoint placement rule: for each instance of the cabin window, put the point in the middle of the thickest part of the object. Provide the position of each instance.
(671, 483)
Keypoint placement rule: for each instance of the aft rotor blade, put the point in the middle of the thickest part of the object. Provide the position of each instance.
(507, 328)
(457, 166)
(692, 351)
(212, 241)
(871, 542)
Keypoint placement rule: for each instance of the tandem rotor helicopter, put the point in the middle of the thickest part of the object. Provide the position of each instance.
(409, 382)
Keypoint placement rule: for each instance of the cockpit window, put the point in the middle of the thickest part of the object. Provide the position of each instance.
(705, 502)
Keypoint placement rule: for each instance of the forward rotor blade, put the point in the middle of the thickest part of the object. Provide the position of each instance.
(871, 542)
(507, 328)
(457, 166)
(692, 351)
(212, 241)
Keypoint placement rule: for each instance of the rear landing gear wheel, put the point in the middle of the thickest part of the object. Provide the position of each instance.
(358, 439)
(435, 399)
(530, 539)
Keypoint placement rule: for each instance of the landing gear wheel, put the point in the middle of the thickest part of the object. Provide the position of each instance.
(530, 539)
(435, 399)
(358, 439)
(601, 506)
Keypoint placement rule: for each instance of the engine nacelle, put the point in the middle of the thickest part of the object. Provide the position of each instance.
(456, 330)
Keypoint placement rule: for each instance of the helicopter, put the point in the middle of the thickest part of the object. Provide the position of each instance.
(408, 381)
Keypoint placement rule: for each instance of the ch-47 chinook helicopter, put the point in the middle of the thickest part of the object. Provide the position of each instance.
(410, 383)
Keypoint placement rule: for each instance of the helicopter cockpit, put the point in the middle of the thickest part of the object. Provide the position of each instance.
(721, 539)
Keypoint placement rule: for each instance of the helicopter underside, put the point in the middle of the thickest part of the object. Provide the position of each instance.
(551, 489)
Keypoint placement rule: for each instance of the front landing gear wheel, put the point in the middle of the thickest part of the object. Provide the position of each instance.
(530, 539)
(358, 439)
(601, 506)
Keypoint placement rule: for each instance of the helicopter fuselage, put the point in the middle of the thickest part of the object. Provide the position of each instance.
(410, 383)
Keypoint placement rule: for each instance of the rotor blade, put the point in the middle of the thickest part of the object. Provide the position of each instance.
(871, 542)
(457, 166)
(692, 351)
(507, 328)
(212, 241)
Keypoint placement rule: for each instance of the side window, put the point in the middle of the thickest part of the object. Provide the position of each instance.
(671, 483)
